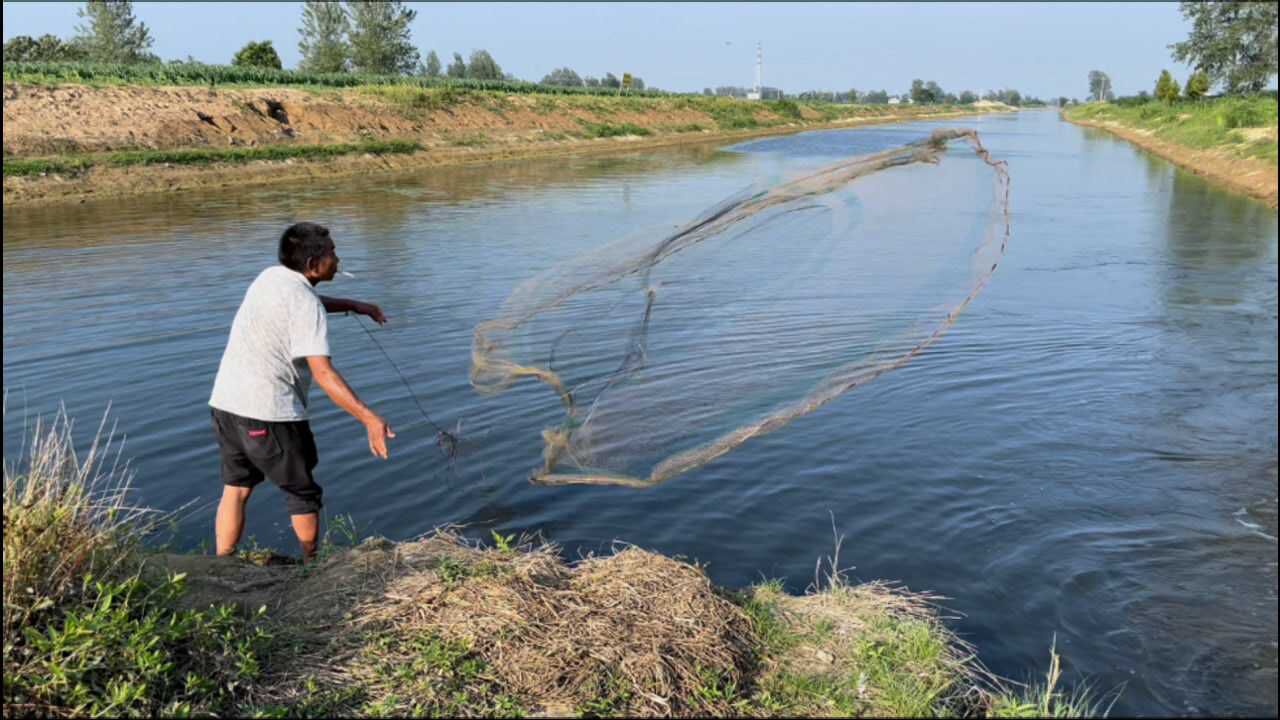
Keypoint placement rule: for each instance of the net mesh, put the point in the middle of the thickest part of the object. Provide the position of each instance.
(666, 355)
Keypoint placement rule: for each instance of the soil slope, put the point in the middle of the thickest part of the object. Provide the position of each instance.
(450, 127)
(1250, 176)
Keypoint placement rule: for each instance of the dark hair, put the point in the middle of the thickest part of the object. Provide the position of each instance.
(301, 243)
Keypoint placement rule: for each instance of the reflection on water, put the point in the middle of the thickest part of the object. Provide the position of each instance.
(1090, 455)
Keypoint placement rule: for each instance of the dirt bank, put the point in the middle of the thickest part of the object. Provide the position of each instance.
(451, 127)
(1252, 177)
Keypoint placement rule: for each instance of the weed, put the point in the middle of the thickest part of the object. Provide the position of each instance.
(475, 139)
(605, 130)
(1047, 701)
(126, 650)
(424, 674)
(612, 696)
(503, 542)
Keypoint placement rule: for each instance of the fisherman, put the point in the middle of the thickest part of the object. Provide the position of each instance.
(279, 341)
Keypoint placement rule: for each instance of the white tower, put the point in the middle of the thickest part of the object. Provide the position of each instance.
(755, 94)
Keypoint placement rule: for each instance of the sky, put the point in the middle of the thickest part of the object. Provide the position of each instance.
(1044, 49)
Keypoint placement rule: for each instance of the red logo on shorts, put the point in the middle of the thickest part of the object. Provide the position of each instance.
(257, 433)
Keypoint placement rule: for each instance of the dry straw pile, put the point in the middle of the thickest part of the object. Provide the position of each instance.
(639, 629)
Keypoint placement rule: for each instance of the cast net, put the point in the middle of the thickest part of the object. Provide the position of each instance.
(666, 354)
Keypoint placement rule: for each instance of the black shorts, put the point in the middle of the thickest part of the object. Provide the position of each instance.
(283, 451)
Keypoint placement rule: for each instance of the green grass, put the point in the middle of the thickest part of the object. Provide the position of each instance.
(1046, 700)
(86, 632)
(74, 164)
(418, 100)
(895, 660)
(1207, 124)
(731, 114)
(472, 139)
(606, 130)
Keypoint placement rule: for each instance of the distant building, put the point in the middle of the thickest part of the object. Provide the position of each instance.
(894, 101)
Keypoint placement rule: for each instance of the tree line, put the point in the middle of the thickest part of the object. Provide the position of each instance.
(1232, 45)
(371, 38)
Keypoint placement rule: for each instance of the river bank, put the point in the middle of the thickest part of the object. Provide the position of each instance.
(69, 143)
(99, 622)
(1238, 155)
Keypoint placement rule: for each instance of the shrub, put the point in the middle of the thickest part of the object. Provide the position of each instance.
(257, 54)
(1246, 112)
(1197, 85)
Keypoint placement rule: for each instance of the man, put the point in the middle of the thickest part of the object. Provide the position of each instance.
(279, 341)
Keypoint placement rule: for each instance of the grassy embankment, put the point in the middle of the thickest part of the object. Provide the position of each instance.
(96, 623)
(72, 164)
(1244, 127)
(439, 114)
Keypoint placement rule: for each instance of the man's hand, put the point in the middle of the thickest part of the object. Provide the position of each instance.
(379, 431)
(336, 387)
(371, 310)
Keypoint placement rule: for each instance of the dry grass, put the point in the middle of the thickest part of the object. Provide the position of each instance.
(633, 633)
(65, 516)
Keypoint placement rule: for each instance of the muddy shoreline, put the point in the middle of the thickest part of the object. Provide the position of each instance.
(1255, 178)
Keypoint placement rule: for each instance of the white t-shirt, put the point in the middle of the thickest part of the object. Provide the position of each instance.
(263, 374)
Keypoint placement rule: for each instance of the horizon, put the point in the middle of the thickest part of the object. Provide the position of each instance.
(806, 46)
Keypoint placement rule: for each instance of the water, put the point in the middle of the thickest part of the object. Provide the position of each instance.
(1089, 455)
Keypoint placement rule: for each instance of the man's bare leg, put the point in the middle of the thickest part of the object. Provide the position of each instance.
(307, 528)
(229, 522)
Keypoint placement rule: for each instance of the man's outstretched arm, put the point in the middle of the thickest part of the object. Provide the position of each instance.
(337, 305)
(336, 387)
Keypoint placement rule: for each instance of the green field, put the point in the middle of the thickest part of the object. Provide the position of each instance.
(193, 73)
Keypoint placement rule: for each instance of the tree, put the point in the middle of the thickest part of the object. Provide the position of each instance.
(1166, 87)
(1234, 42)
(876, 97)
(968, 97)
(918, 93)
(610, 80)
(19, 48)
(380, 37)
(591, 82)
(707, 92)
(257, 54)
(324, 47)
(483, 66)
(637, 83)
(1063, 101)
(46, 48)
(934, 92)
(457, 68)
(111, 34)
(1100, 86)
(564, 76)
(1197, 85)
(432, 68)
